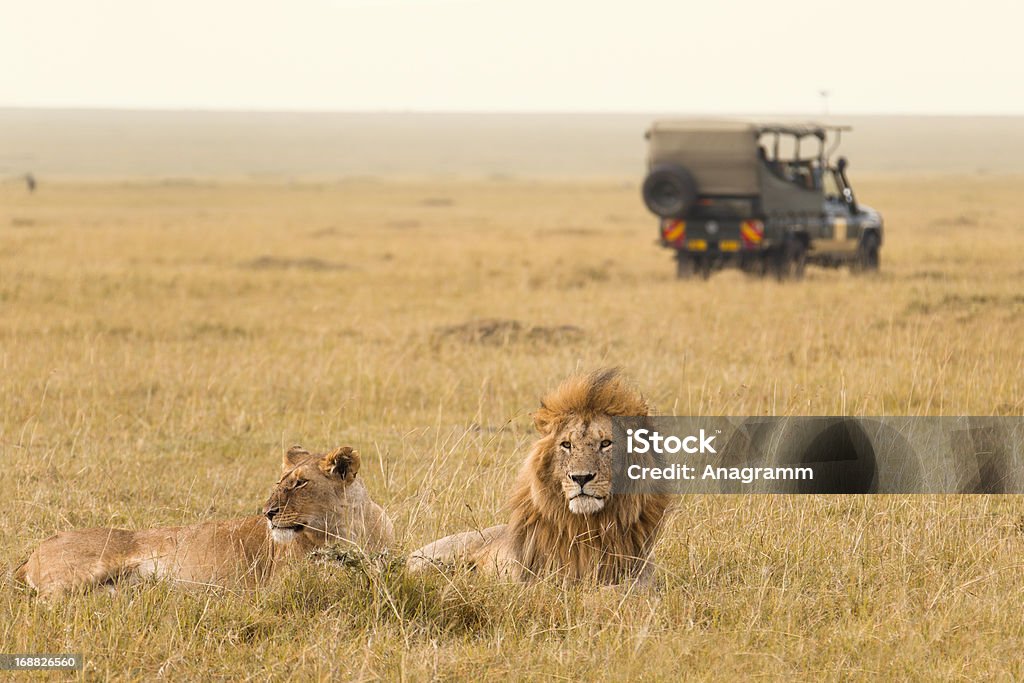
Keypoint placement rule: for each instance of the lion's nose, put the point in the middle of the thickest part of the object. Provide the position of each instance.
(271, 512)
(582, 479)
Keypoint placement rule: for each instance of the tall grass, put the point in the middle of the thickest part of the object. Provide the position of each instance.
(161, 344)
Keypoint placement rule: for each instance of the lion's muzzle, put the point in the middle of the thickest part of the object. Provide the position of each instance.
(583, 499)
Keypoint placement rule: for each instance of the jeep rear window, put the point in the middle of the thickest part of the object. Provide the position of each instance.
(724, 207)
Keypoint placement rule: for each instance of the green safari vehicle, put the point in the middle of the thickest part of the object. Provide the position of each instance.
(764, 198)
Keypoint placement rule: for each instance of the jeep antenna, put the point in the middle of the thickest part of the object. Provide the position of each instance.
(824, 94)
(838, 130)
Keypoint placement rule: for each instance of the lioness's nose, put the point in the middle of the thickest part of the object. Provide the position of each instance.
(271, 512)
(582, 479)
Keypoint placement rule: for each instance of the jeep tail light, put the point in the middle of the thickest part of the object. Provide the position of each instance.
(752, 232)
(673, 231)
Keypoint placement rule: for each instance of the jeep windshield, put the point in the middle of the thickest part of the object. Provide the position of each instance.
(797, 153)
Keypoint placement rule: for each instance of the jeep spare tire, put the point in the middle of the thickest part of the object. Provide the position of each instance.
(670, 191)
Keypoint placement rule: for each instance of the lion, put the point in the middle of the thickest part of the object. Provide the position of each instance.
(317, 500)
(565, 519)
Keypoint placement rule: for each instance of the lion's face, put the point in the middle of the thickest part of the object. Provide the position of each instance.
(582, 462)
(310, 493)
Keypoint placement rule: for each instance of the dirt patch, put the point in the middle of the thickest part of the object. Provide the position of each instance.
(184, 182)
(958, 303)
(275, 263)
(403, 225)
(499, 332)
(571, 231)
(929, 275)
(324, 232)
(574, 276)
(437, 201)
(961, 221)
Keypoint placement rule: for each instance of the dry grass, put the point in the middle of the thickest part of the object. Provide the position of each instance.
(160, 344)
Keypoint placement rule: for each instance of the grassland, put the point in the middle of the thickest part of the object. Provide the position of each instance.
(161, 343)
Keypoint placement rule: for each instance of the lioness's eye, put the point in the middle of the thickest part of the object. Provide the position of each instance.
(299, 483)
(566, 445)
(606, 443)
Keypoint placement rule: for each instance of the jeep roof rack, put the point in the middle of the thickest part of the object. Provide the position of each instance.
(805, 129)
(802, 130)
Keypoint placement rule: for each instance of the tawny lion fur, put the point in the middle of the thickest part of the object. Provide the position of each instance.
(318, 500)
(557, 525)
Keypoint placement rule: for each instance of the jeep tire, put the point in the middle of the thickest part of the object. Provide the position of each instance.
(686, 266)
(790, 260)
(670, 191)
(867, 254)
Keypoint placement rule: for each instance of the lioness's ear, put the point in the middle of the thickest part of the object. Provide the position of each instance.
(294, 456)
(343, 462)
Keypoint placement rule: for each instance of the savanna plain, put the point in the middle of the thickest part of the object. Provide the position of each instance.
(162, 342)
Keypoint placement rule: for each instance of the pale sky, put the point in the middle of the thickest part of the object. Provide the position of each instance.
(738, 56)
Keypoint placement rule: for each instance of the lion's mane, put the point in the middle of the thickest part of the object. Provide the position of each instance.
(542, 535)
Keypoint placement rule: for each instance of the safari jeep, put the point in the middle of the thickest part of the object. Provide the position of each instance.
(749, 195)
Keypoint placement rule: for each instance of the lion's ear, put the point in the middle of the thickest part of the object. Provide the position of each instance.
(343, 463)
(294, 456)
(544, 419)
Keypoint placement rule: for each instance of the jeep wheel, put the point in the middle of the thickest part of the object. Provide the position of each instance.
(704, 267)
(790, 260)
(670, 191)
(686, 266)
(867, 254)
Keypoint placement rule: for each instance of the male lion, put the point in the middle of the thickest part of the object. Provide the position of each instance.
(317, 500)
(565, 519)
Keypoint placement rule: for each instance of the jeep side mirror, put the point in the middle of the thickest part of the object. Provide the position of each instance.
(841, 164)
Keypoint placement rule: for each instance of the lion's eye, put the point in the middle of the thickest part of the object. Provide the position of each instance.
(299, 483)
(566, 445)
(606, 443)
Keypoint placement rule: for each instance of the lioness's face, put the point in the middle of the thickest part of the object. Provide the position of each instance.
(310, 493)
(582, 463)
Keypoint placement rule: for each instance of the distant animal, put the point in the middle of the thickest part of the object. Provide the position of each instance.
(565, 519)
(318, 500)
(30, 182)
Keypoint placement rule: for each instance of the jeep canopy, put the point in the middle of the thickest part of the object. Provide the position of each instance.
(721, 155)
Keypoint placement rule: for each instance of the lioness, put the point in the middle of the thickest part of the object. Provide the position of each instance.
(317, 500)
(564, 517)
